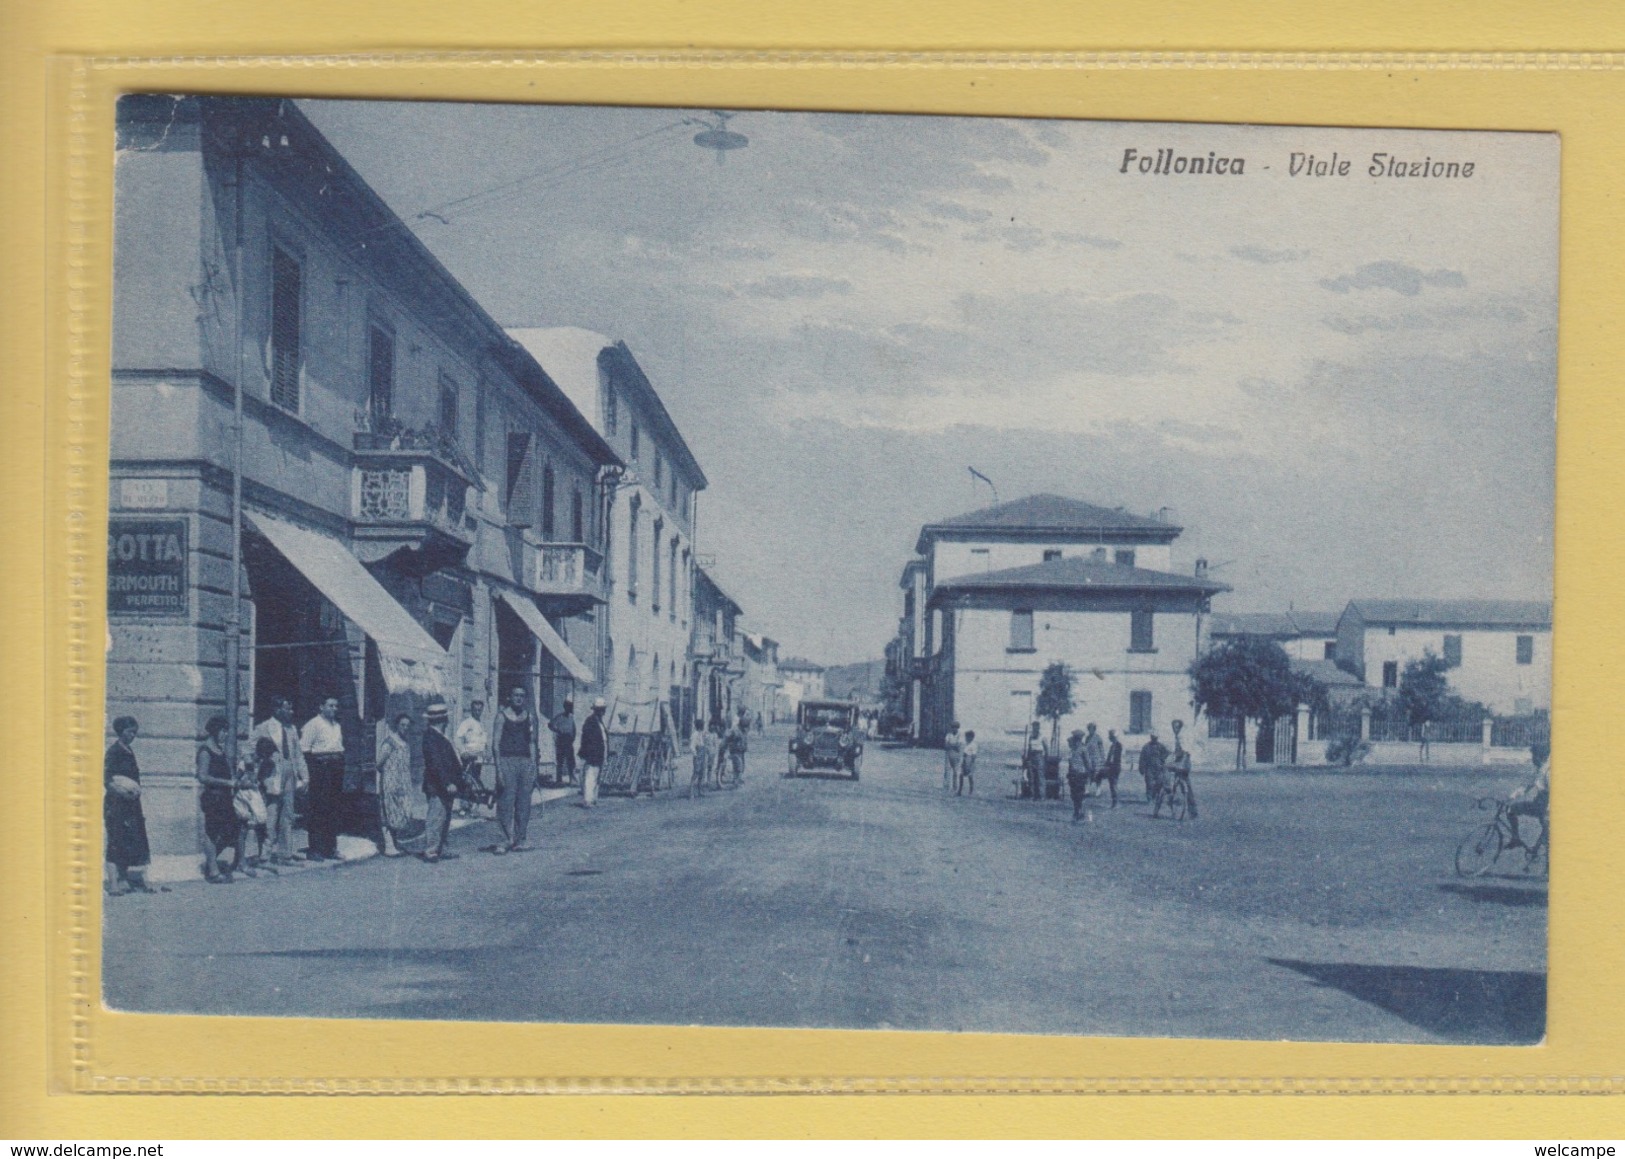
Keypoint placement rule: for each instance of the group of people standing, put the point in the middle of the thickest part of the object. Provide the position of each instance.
(1093, 764)
(717, 742)
(255, 798)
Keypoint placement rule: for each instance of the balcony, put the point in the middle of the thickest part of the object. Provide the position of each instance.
(569, 575)
(410, 490)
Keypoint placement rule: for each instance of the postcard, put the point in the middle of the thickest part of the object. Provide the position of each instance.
(575, 564)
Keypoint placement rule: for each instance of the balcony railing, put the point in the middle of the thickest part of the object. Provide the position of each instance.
(567, 569)
(405, 493)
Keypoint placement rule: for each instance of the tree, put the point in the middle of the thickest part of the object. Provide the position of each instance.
(1250, 678)
(1425, 693)
(1055, 699)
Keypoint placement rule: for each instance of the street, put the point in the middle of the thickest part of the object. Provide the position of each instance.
(1302, 905)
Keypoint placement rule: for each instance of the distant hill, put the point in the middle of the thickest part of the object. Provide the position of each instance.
(864, 679)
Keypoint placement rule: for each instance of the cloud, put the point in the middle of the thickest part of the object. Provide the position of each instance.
(1396, 276)
(956, 211)
(1018, 239)
(1093, 241)
(1456, 318)
(783, 287)
(1266, 257)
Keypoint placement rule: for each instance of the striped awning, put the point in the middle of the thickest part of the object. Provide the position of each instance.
(410, 658)
(526, 610)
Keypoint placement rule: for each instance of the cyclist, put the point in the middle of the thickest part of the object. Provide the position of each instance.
(1531, 800)
(1180, 764)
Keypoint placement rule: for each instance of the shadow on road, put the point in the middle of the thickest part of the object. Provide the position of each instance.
(1488, 1006)
(1498, 894)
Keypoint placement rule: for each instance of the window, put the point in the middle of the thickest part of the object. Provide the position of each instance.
(521, 500)
(1140, 631)
(1390, 673)
(547, 502)
(1526, 649)
(1139, 713)
(1098, 555)
(610, 415)
(1331, 649)
(449, 399)
(654, 574)
(1452, 651)
(1021, 712)
(671, 572)
(286, 293)
(1051, 554)
(380, 375)
(634, 442)
(632, 549)
(1021, 631)
(980, 556)
(1123, 557)
(576, 530)
(660, 472)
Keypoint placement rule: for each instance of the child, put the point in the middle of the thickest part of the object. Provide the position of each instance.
(967, 766)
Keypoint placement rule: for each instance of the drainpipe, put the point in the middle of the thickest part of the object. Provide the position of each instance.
(234, 610)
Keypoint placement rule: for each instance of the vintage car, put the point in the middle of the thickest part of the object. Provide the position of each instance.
(827, 736)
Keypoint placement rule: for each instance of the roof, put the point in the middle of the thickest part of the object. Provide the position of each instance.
(709, 580)
(1078, 574)
(1327, 672)
(1284, 625)
(799, 664)
(573, 357)
(1048, 515)
(1454, 613)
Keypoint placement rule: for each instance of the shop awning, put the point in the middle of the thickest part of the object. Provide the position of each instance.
(543, 631)
(411, 659)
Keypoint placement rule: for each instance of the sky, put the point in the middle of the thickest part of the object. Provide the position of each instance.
(1340, 386)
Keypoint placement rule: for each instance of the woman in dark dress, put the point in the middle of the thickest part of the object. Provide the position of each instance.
(219, 814)
(127, 852)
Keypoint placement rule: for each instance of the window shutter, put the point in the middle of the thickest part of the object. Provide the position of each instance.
(521, 487)
(547, 502)
(380, 374)
(1141, 638)
(286, 291)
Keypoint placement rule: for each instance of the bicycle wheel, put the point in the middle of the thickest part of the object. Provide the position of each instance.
(1538, 859)
(1479, 850)
(1179, 800)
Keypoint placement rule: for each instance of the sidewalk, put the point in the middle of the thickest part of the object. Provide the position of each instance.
(169, 869)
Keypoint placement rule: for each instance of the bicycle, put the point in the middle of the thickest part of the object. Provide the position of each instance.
(1174, 792)
(1481, 849)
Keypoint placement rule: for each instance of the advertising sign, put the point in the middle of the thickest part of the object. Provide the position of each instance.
(147, 567)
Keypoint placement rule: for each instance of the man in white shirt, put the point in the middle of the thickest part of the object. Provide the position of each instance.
(473, 746)
(324, 756)
(290, 776)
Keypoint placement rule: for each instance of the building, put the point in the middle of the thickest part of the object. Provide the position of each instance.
(650, 591)
(1500, 651)
(1302, 635)
(803, 680)
(418, 510)
(1004, 539)
(906, 656)
(717, 662)
(761, 688)
(1128, 634)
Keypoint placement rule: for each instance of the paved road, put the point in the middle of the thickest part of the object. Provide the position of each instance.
(1304, 906)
